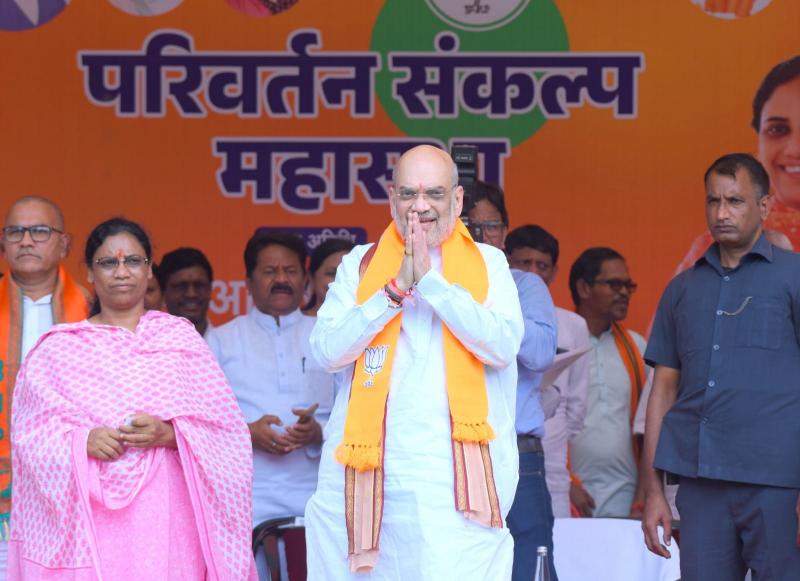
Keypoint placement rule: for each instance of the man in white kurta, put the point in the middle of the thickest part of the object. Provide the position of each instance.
(423, 536)
(266, 357)
(602, 455)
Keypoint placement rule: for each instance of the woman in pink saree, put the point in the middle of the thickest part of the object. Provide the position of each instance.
(131, 459)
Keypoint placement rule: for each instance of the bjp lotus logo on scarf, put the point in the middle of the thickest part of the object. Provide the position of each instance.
(374, 358)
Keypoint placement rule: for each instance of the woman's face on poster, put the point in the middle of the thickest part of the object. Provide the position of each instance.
(779, 142)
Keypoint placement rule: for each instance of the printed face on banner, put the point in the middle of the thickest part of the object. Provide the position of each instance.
(733, 211)
(277, 282)
(28, 257)
(779, 142)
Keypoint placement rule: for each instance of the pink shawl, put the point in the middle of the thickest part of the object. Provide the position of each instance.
(81, 376)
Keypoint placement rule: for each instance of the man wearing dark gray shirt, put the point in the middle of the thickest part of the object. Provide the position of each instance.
(724, 412)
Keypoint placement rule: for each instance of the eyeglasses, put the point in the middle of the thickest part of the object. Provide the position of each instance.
(38, 232)
(616, 284)
(430, 194)
(111, 263)
(490, 227)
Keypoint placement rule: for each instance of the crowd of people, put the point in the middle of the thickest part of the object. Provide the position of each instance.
(419, 400)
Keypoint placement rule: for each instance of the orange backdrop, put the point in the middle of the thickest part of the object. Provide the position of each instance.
(592, 178)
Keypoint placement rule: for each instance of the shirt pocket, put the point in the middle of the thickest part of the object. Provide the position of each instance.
(759, 323)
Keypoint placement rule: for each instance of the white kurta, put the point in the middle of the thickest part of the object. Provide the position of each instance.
(602, 454)
(271, 370)
(567, 421)
(423, 537)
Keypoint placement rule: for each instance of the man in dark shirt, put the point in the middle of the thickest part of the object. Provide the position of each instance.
(723, 412)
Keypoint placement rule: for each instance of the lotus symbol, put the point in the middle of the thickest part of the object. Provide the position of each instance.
(374, 358)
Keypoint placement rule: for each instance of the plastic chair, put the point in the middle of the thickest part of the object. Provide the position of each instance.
(286, 560)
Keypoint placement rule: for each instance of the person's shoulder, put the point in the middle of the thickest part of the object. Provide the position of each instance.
(786, 258)
(491, 253)
(232, 327)
(59, 338)
(570, 319)
(640, 341)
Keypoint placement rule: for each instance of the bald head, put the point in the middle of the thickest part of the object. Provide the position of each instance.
(426, 184)
(48, 206)
(428, 154)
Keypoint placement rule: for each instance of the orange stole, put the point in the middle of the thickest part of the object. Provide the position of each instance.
(69, 304)
(634, 365)
(362, 448)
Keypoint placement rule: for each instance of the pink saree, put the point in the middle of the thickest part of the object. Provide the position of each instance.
(153, 513)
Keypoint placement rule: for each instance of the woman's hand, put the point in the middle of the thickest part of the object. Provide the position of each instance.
(104, 444)
(146, 431)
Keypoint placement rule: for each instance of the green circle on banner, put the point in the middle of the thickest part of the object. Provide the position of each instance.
(430, 27)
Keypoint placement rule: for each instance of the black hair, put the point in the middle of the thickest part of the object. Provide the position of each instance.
(109, 228)
(325, 249)
(179, 259)
(587, 266)
(320, 254)
(260, 240)
(492, 194)
(533, 236)
(728, 165)
(780, 74)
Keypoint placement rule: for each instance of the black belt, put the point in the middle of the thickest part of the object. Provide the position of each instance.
(527, 444)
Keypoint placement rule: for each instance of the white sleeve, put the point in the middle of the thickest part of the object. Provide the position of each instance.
(344, 328)
(492, 331)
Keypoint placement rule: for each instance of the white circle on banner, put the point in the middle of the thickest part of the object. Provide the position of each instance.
(146, 7)
(477, 14)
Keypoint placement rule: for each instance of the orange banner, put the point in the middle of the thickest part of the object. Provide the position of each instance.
(207, 120)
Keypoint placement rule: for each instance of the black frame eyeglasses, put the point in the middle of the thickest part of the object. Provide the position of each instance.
(38, 232)
(617, 284)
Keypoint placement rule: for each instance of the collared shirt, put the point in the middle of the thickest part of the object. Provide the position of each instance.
(602, 454)
(210, 330)
(537, 350)
(37, 318)
(734, 334)
(270, 369)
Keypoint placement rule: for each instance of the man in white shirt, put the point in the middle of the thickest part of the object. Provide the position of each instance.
(35, 293)
(419, 465)
(185, 276)
(531, 248)
(266, 357)
(605, 455)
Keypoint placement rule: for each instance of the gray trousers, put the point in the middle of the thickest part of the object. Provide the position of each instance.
(728, 527)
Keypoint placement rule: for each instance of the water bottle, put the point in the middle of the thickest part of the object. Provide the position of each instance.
(542, 565)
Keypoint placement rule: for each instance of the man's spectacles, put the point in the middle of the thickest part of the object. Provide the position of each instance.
(38, 232)
(616, 284)
(490, 227)
(430, 194)
(111, 263)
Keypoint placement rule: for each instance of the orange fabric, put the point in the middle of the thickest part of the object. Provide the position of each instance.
(361, 450)
(634, 365)
(69, 304)
(463, 264)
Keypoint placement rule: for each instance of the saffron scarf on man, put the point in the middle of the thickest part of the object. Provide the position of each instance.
(634, 365)
(362, 448)
(69, 304)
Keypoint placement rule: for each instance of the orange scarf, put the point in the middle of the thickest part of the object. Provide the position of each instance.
(69, 304)
(634, 365)
(362, 448)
